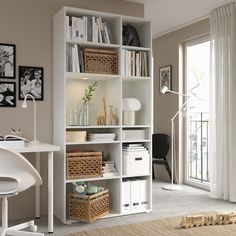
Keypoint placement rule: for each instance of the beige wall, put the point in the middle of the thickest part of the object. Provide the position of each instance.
(166, 52)
(28, 24)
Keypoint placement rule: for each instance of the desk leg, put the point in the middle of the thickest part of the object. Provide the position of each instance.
(37, 194)
(50, 192)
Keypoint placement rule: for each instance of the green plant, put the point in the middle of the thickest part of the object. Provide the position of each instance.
(88, 92)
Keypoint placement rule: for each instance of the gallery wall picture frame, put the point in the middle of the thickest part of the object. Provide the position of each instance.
(166, 77)
(7, 61)
(31, 82)
(7, 94)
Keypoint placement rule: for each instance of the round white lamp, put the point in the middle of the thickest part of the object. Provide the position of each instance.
(129, 106)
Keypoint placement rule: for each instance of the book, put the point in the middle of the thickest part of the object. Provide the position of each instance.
(110, 174)
(13, 141)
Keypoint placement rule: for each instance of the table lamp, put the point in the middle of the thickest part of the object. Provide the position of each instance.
(129, 106)
(172, 186)
(24, 105)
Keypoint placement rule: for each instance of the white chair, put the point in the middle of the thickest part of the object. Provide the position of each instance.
(16, 175)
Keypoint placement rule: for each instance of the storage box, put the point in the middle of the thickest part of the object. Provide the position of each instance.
(125, 197)
(100, 61)
(88, 208)
(134, 134)
(136, 164)
(76, 136)
(83, 165)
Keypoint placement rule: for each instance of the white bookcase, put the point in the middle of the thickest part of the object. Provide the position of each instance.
(68, 88)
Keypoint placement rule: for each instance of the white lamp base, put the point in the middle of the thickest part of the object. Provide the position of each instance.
(172, 187)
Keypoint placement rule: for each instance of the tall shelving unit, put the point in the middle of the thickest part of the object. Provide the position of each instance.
(68, 90)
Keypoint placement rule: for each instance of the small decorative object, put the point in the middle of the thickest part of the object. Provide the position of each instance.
(7, 94)
(7, 61)
(83, 117)
(80, 188)
(130, 36)
(31, 82)
(113, 118)
(129, 106)
(92, 189)
(102, 115)
(165, 77)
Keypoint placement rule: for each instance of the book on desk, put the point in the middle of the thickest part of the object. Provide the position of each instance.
(13, 141)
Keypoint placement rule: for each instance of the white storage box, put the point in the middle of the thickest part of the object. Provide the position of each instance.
(136, 164)
(134, 134)
(135, 196)
(125, 197)
(143, 185)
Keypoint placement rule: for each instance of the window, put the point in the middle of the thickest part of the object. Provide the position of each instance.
(197, 67)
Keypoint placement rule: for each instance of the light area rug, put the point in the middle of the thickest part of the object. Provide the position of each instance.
(164, 227)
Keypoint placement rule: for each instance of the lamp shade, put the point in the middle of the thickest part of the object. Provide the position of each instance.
(131, 104)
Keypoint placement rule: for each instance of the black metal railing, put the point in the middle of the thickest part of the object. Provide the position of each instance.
(198, 147)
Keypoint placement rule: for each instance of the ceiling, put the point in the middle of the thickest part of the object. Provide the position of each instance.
(167, 15)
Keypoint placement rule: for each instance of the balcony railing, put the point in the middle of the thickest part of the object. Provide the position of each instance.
(198, 147)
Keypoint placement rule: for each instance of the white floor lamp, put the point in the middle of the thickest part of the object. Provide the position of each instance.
(172, 186)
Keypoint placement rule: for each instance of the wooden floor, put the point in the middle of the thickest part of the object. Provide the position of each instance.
(165, 204)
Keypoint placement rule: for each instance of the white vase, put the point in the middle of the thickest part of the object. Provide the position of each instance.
(83, 117)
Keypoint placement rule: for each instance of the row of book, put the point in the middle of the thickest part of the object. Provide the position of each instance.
(135, 63)
(88, 29)
(109, 169)
(75, 59)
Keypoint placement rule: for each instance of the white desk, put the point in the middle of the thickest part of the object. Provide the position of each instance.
(37, 149)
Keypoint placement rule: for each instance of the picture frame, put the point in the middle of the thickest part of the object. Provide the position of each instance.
(7, 94)
(31, 82)
(166, 77)
(7, 61)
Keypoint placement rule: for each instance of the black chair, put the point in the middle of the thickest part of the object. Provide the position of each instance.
(160, 148)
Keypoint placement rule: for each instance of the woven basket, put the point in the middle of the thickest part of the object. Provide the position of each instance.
(100, 61)
(84, 165)
(88, 208)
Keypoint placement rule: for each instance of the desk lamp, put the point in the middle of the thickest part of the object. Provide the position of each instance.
(24, 105)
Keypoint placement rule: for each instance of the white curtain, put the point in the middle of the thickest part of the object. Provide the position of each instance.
(222, 133)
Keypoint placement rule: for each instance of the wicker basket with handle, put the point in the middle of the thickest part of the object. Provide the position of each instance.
(100, 61)
(88, 208)
(84, 165)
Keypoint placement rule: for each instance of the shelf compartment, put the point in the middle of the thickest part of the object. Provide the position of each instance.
(93, 179)
(90, 76)
(91, 44)
(92, 142)
(135, 78)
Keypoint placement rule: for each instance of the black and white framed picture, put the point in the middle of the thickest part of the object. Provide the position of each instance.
(7, 94)
(31, 82)
(7, 61)
(165, 77)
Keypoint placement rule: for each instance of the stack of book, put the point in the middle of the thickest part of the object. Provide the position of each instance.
(135, 63)
(130, 149)
(101, 137)
(109, 169)
(12, 141)
(88, 29)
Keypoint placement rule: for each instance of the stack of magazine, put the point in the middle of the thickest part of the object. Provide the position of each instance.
(101, 137)
(130, 149)
(109, 169)
(13, 141)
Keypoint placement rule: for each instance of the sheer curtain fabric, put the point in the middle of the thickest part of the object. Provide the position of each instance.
(222, 147)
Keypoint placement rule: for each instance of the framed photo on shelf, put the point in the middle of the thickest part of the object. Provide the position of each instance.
(31, 82)
(166, 77)
(7, 61)
(7, 94)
